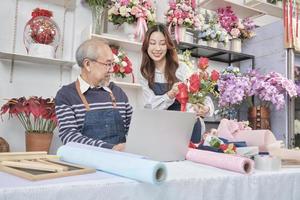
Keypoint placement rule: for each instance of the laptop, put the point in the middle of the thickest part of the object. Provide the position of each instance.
(160, 134)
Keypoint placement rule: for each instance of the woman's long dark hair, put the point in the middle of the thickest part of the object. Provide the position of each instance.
(148, 66)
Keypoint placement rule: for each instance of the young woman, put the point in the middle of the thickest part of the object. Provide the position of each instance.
(161, 73)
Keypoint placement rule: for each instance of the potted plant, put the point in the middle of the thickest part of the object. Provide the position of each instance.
(98, 14)
(37, 116)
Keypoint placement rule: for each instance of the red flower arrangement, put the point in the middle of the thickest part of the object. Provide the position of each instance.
(35, 114)
(123, 65)
(42, 31)
(198, 86)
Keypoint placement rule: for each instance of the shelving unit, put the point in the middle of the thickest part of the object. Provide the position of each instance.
(34, 59)
(68, 4)
(240, 10)
(215, 54)
(268, 8)
(128, 85)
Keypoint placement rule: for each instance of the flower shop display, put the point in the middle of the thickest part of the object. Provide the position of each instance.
(123, 66)
(180, 16)
(139, 13)
(232, 88)
(212, 32)
(198, 86)
(269, 89)
(238, 30)
(37, 116)
(41, 34)
(98, 8)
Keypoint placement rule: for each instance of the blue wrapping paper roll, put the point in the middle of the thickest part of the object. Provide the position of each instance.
(118, 163)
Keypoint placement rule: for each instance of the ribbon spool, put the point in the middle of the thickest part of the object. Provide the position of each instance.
(267, 163)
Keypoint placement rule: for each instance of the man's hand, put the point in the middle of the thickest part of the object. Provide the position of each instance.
(119, 147)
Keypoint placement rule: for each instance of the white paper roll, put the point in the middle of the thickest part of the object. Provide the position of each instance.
(267, 163)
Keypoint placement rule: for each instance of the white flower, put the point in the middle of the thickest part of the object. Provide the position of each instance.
(123, 11)
(116, 58)
(124, 64)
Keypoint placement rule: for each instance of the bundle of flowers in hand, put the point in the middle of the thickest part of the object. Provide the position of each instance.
(123, 65)
(141, 12)
(233, 90)
(41, 34)
(36, 114)
(198, 86)
(181, 15)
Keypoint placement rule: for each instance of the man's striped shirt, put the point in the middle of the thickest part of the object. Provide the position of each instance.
(70, 111)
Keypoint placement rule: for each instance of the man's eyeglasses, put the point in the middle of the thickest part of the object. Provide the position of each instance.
(108, 65)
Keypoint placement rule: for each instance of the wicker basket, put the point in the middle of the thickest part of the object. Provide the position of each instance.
(4, 147)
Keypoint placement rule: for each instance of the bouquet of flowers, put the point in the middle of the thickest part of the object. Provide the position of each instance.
(182, 13)
(198, 86)
(130, 11)
(35, 114)
(233, 87)
(270, 88)
(123, 65)
(212, 30)
(237, 29)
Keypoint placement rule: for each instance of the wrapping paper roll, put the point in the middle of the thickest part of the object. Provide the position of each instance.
(118, 163)
(220, 160)
(267, 163)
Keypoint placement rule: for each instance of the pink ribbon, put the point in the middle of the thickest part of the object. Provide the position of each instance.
(141, 28)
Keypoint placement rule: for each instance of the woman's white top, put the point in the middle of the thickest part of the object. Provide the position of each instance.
(162, 102)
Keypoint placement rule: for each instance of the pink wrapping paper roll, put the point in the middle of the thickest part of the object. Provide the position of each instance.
(220, 160)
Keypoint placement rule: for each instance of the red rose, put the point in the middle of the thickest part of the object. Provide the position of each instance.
(214, 75)
(194, 83)
(203, 63)
(115, 51)
(127, 69)
(223, 147)
(116, 68)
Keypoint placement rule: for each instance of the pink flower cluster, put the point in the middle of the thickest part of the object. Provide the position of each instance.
(237, 29)
(182, 13)
(130, 11)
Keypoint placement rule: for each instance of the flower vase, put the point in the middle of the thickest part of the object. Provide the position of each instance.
(202, 42)
(129, 78)
(259, 117)
(129, 30)
(4, 146)
(236, 45)
(279, 4)
(41, 36)
(181, 33)
(38, 141)
(98, 19)
(212, 43)
(225, 46)
(189, 37)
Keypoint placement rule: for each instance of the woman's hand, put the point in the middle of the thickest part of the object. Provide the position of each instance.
(174, 90)
(201, 110)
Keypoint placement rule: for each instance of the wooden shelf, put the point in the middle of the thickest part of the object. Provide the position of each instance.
(240, 10)
(34, 59)
(268, 8)
(119, 41)
(128, 85)
(68, 4)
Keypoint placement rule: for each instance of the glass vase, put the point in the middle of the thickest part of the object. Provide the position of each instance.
(98, 19)
(41, 37)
